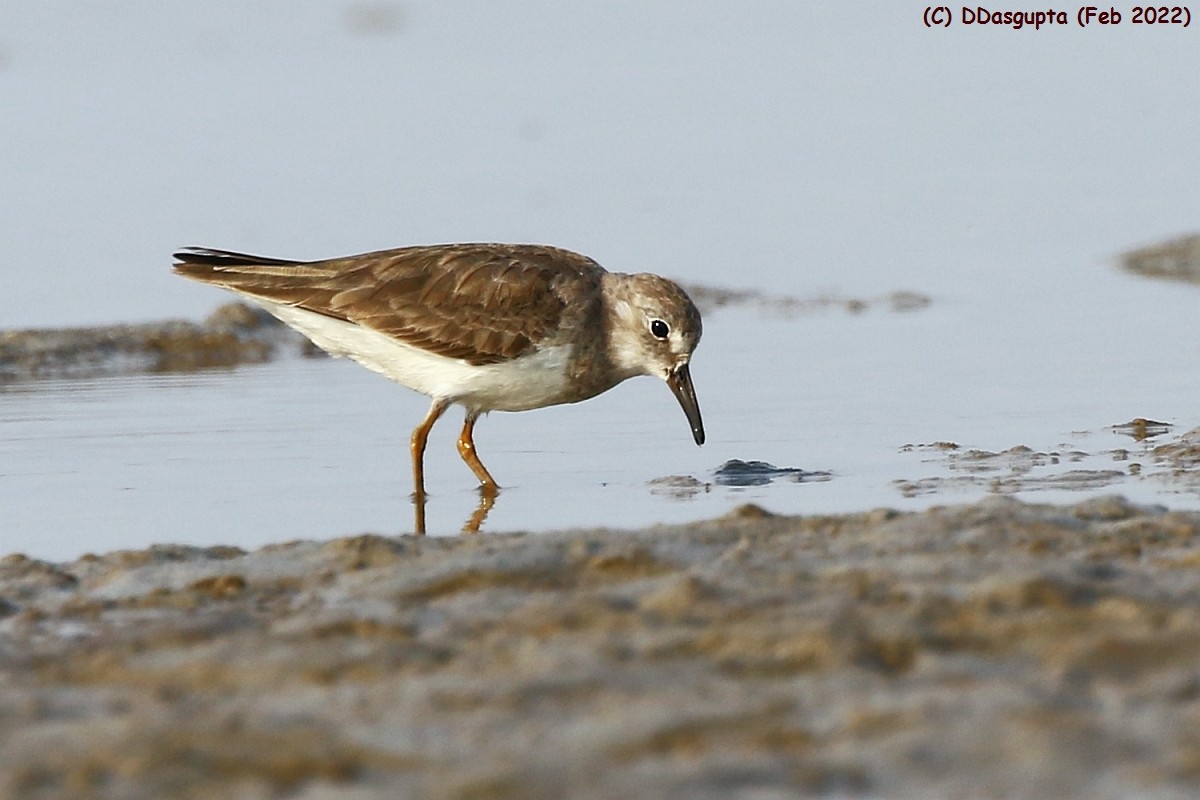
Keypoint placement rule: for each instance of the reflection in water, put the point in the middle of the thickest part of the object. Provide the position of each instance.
(487, 499)
(1140, 429)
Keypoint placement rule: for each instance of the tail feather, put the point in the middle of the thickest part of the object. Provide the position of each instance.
(270, 282)
(206, 256)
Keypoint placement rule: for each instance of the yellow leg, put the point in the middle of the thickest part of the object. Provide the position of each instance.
(417, 446)
(466, 449)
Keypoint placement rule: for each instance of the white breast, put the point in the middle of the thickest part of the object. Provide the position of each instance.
(531, 381)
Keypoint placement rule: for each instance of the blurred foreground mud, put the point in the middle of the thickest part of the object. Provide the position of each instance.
(991, 650)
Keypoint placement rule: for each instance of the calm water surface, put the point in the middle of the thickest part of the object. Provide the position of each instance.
(314, 448)
(818, 150)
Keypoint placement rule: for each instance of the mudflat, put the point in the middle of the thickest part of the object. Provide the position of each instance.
(998, 649)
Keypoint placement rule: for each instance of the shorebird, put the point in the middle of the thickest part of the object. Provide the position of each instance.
(490, 327)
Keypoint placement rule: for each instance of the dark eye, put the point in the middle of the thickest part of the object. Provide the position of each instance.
(659, 329)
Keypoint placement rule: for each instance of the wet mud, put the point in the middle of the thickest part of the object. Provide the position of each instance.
(1154, 455)
(993, 650)
(1175, 259)
(708, 298)
(233, 334)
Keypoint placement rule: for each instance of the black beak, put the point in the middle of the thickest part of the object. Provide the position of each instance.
(680, 382)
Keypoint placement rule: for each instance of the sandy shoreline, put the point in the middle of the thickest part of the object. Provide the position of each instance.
(996, 649)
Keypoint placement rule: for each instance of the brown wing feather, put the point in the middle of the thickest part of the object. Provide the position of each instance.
(482, 303)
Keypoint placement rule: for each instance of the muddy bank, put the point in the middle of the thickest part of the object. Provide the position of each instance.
(237, 333)
(999, 649)
(233, 334)
(1174, 259)
(1155, 455)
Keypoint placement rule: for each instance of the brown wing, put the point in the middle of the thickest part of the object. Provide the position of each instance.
(482, 303)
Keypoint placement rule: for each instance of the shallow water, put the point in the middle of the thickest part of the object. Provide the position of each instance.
(999, 172)
(312, 448)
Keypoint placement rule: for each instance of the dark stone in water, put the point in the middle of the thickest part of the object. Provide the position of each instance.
(736, 472)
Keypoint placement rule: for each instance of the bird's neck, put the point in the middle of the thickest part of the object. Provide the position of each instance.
(622, 325)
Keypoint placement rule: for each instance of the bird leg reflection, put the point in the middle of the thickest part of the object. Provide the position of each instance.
(487, 499)
(418, 499)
